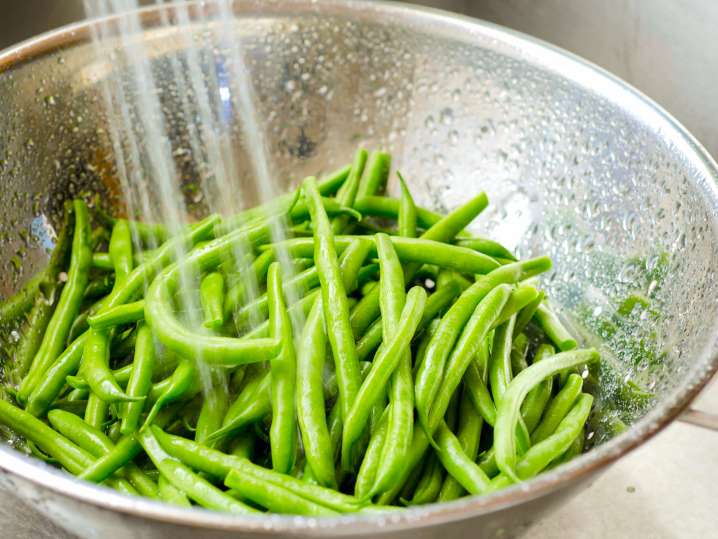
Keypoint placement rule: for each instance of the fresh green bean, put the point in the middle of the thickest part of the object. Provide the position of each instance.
(428, 488)
(179, 385)
(460, 466)
(127, 313)
(401, 393)
(554, 329)
(334, 301)
(552, 448)
(219, 465)
(170, 494)
(500, 373)
(183, 479)
(536, 400)
(214, 350)
(469, 436)
(273, 497)
(509, 407)
(430, 374)
(96, 371)
(68, 305)
(140, 380)
(283, 371)
(348, 191)
(382, 367)
(558, 408)
(375, 175)
(366, 476)
(120, 250)
(214, 407)
(212, 298)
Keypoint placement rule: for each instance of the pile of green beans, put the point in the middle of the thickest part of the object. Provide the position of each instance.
(392, 358)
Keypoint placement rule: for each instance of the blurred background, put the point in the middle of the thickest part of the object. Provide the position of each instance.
(665, 48)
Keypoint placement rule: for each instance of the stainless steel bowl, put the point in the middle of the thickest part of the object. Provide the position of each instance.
(578, 166)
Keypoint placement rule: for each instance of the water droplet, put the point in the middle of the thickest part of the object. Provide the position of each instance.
(446, 116)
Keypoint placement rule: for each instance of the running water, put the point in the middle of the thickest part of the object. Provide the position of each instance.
(210, 82)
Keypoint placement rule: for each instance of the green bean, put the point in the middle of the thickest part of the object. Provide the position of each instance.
(214, 407)
(219, 465)
(407, 211)
(120, 249)
(127, 313)
(401, 393)
(102, 261)
(429, 486)
(375, 175)
(536, 400)
(430, 374)
(211, 293)
(50, 386)
(214, 350)
(283, 432)
(96, 371)
(435, 303)
(552, 448)
(68, 454)
(273, 497)
(96, 411)
(310, 399)
(140, 380)
(301, 282)
(179, 385)
(68, 305)
(475, 384)
(251, 405)
(366, 476)
(183, 479)
(509, 407)
(467, 346)
(415, 250)
(334, 301)
(554, 329)
(489, 308)
(527, 313)
(488, 247)
(521, 296)
(384, 363)
(235, 293)
(37, 322)
(469, 436)
(444, 230)
(500, 373)
(124, 451)
(97, 444)
(558, 408)
(462, 468)
(170, 494)
(348, 191)
(300, 213)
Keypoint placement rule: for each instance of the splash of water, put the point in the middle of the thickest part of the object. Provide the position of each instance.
(209, 78)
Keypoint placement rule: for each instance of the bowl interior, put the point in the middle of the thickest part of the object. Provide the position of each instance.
(575, 165)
